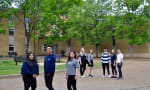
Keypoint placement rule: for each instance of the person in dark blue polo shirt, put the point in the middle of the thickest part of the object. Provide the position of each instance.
(29, 72)
(113, 64)
(49, 68)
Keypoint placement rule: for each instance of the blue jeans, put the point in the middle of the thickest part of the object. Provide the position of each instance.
(119, 65)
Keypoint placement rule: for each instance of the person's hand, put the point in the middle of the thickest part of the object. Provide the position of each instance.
(80, 63)
(114, 64)
(76, 77)
(66, 77)
(34, 76)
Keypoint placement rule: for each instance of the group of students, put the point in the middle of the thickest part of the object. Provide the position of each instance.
(30, 68)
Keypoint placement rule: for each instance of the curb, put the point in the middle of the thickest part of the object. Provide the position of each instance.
(18, 75)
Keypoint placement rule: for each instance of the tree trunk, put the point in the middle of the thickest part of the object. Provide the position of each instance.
(27, 35)
(68, 46)
(113, 40)
(131, 50)
(97, 50)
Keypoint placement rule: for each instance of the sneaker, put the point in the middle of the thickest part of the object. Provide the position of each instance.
(119, 79)
(90, 76)
(83, 76)
(103, 76)
(112, 76)
(109, 76)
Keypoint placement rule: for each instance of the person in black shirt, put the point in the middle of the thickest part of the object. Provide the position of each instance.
(83, 61)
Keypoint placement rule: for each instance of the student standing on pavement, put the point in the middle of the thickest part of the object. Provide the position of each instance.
(119, 63)
(29, 71)
(71, 72)
(105, 58)
(90, 62)
(113, 64)
(83, 61)
(49, 68)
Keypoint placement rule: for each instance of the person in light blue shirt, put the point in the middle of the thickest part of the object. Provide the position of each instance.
(90, 62)
(71, 71)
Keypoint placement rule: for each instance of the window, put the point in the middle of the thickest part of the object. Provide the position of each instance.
(11, 34)
(44, 47)
(11, 47)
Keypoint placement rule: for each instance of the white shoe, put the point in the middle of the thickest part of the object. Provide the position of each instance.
(103, 76)
(83, 76)
(109, 76)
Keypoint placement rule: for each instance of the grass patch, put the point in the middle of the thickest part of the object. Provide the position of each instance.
(8, 67)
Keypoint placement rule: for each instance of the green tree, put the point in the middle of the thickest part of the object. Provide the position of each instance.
(5, 6)
(132, 23)
(88, 21)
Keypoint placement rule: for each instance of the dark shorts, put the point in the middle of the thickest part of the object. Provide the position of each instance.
(91, 64)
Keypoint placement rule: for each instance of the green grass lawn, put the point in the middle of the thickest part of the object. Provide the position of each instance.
(8, 67)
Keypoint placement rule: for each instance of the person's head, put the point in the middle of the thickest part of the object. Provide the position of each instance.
(82, 50)
(118, 50)
(91, 51)
(113, 51)
(72, 55)
(105, 49)
(31, 56)
(49, 50)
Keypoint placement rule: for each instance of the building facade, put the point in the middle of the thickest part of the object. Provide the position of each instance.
(14, 42)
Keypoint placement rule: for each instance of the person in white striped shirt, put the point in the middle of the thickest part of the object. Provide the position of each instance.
(105, 58)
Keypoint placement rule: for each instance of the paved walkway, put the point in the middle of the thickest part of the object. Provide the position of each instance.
(136, 77)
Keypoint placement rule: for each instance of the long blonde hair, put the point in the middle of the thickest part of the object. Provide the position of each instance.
(82, 52)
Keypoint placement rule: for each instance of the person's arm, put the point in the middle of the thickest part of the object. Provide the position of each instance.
(89, 58)
(76, 77)
(80, 60)
(102, 57)
(121, 59)
(53, 63)
(77, 66)
(115, 59)
(66, 72)
(25, 69)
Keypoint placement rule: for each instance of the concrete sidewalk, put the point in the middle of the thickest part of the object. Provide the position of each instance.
(136, 77)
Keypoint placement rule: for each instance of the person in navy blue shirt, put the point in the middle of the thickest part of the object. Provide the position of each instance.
(29, 72)
(83, 61)
(49, 68)
(113, 64)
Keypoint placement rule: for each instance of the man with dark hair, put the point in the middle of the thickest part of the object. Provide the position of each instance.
(49, 67)
(105, 58)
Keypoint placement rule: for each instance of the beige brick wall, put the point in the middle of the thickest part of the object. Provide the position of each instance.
(4, 41)
(19, 35)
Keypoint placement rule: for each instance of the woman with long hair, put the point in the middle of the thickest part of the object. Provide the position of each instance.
(83, 61)
(30, 71)
(71, 72)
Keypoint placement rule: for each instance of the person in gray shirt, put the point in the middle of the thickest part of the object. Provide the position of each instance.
(71, 71)
(90, 62)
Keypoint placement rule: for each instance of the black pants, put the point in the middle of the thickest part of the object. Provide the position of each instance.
(29, 81)
(119, 65)
(82, 68)
(114, 71)
(49, 81)
(105, 65)
(71, 82)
